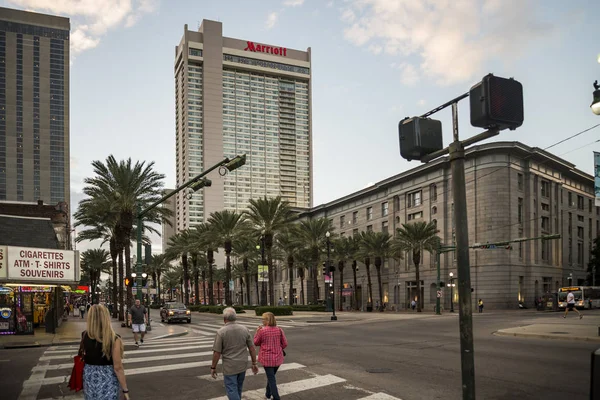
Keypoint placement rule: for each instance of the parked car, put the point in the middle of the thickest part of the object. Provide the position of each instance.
(174, 311)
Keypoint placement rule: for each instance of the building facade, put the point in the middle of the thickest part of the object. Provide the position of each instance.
(240, 97)
(513, 191)
(168, 230)
(34, 107)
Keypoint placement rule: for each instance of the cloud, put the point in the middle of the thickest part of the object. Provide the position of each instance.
(271, 20)
(293, 3)
(454, 40)
(330, 4)
(90, 19)
(409, 75)
(421, 103)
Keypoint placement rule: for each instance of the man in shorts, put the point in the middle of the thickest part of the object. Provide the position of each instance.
(138, 319)
(571, 305)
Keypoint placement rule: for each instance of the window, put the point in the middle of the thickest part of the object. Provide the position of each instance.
(580, 218)
(369, 228)
(580, 232)
(570, 202)
(384, 227)
(545, 249)
(545, 224)
(580, 203)
(342, 221)
(520, 211)
(520, 182)
(433, 192)
(545, 189)
(520, 249)
(369, 213)
(545, 207)
(416, 215)
(433, 210)
(384, 209)
(413, 199)
(354, 232)
(397, 220)
(570, 250)
(580, 253)
(570, 226)
(355, 217)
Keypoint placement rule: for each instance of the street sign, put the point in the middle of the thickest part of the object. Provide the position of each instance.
(439, 294)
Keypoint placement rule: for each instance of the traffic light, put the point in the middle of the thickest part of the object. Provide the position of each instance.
(497, 103)
(128, 282)
(419, 137)
(200, 184)
(236, 162)
(324, 268)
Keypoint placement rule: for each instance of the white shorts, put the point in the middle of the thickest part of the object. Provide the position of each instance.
(137, 328)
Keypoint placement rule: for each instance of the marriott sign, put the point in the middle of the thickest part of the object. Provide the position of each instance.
(261, 48)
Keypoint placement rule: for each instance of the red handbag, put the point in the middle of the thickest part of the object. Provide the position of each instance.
(76, 380)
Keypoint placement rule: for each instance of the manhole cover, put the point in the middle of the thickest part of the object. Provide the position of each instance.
(379, 370)
(560, 333)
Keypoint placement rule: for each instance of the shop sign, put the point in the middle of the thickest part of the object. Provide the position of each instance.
(43, 265)
(3, 265)
(261, 48)
(36, 289)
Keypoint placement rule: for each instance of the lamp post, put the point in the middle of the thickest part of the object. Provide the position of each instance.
(261, 247)
(332, 272)
(451, 285)
(595, 106)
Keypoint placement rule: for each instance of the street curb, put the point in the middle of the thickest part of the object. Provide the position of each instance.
(552, 337)
(36, 344)
(173, 335)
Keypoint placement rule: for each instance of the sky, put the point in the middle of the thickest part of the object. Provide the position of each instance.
(374, 62)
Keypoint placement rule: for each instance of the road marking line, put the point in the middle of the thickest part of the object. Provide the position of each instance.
(293, 387)
(49, 358)
(32, 386)
(205, 333)
(199, 340)
(283, 367)
(165, 341)
(55, 367)
(379, 396)
(71, 397)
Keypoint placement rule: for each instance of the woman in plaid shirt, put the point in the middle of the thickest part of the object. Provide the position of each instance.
(272, 341)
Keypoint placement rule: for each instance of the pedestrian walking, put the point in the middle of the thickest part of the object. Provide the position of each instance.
(82, 310)
(280, 302)
(102, 352)
(272, 341)
(571, 305)
(233, 342)
(413, 304)
(138, 318)
(480, 306)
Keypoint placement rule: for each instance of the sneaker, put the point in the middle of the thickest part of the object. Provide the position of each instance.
(142, 341)
(580, 316)
(137, 344)
(564, 316)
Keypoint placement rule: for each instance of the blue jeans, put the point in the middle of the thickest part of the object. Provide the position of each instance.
(233, 385)
(271, 383)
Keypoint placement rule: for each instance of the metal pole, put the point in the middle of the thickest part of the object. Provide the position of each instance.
(333, 317)
(437, 298)
(451, 294)
(138, 262)
(263, 262)
(457, 161)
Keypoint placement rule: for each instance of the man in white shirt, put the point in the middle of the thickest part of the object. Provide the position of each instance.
(571, 305)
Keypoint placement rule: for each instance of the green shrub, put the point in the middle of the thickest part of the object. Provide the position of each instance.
(311, 307)
(219, 309)
(200, 308)
(155, 306)
(249, 307)
(279, 310)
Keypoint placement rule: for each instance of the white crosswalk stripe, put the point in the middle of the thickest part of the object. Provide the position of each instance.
(209, 328)
(185, 362)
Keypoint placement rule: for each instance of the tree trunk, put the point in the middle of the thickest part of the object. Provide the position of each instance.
(242, 290)
(417, 261)
(341, 269)
(128, 274)
(271, 283)
(302, 290)
(354, 293)
(247, 277)
(219, 292)
(114, 254)
(257, 292)
(121, 300)
(158, 287)
(291, 276)
(228, 299)
(369, 284)
(203, 275)
(211, 260)
(315, 282)
(186, 278)
(378, 269)
(196, 286)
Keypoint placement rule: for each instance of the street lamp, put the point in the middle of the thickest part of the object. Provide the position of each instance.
(595, 106)
(451, 286)
(332, 271)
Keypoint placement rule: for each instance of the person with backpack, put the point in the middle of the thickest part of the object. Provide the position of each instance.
(272, 342)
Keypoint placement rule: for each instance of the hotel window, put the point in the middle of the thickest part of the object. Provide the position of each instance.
(342, 221)
(580, 253)
(520, 181)
(570, 250)
(369, 228)
(545, 207)
(384, 227)
(369, 213)
(546, 224)
(416, 215)
(545, 189)
(579, 232)
(433, 192)
(545, 249)
(520, 249)
(520, 211)
(433, 210)
(384, 209)
(354, 232)
(413, 199)
(570, 203)
(580, 203)
(580, 218)
(355, 217)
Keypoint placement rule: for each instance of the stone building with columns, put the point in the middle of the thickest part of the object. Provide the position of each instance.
(513, 191)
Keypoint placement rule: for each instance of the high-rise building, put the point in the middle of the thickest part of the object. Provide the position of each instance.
(168, 230)
(34, 107)
(241, 97)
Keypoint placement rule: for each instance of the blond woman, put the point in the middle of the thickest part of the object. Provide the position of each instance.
(103, 374)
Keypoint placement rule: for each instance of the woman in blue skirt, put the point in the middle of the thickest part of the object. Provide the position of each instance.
(103, 374)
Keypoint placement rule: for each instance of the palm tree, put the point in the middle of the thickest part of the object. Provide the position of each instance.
(159, 264)
(204, 240)
(219, 276)
(303, 261)
(226, 226)
(128, 186)
(245, 249)
(289, 249)
(416, 237)
(343, 252)
(354, 252)
(268, 217)
(376, 246)
(365, 254)
(311, 234)
(179, 246)
(172, 279)
(93, 263)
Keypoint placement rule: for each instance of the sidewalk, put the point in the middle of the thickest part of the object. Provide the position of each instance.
(559, 328)
(69, 333)
(346, 316)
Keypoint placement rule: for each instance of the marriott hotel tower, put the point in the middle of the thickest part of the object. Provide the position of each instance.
(241, 97)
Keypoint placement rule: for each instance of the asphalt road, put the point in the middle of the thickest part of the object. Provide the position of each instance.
(408, 359)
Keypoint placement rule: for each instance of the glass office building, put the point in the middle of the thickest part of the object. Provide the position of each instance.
(240, 97)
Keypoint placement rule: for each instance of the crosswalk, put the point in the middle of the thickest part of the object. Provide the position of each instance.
(209, 328)
(179, 368)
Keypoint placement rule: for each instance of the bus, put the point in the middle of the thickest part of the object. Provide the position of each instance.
(585, 296)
